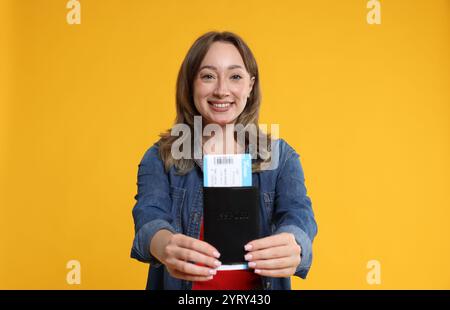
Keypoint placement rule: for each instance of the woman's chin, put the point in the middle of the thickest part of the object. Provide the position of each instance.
(221, 121)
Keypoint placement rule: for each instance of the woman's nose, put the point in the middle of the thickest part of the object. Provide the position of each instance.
(221, 88)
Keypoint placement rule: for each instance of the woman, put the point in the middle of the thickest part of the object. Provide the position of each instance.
(219, 82)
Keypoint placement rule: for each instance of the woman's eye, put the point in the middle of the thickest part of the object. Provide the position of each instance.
(236, 77)
(207, 76)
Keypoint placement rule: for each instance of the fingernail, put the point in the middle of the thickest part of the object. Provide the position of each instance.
(248, 247)
(217, 263)
(252, 264)
(216, 254)
(212, 271)
(248, 257)
(210, 278)
(257, 271)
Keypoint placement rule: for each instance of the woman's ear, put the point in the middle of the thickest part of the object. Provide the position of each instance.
(252, 82)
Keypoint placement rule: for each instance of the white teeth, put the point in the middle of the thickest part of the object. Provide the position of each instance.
(221, 105)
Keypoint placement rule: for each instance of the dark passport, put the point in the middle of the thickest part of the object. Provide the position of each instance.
(231, 220)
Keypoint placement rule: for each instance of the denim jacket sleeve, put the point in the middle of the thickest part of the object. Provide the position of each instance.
(151, 212)
(293, 212)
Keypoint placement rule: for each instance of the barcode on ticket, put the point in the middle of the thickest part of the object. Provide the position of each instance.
(223, 160)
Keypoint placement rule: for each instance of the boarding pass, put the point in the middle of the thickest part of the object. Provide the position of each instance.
(227, 170)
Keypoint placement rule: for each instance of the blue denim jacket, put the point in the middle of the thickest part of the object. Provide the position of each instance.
(174, 202)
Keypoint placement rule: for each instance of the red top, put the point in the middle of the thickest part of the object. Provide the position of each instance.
(229, 279)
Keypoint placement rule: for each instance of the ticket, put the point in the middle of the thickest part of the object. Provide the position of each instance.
(227, 170)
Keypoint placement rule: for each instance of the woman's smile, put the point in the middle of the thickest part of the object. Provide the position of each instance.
(220, 106)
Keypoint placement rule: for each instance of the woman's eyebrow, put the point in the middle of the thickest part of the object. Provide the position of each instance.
(214, 68)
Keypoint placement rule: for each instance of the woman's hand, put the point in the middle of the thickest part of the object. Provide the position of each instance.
(274, 256)
(180, 254)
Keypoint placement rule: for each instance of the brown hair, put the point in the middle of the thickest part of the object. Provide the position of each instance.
(186, 109)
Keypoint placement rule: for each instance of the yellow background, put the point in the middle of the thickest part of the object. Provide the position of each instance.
(366, 106)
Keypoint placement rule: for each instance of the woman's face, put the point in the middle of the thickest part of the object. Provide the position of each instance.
(222, 84)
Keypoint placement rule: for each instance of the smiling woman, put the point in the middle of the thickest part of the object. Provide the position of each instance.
(218, 80)
(219, 83)
(223, 85)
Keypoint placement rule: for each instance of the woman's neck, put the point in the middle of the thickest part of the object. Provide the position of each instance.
(222, 143)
